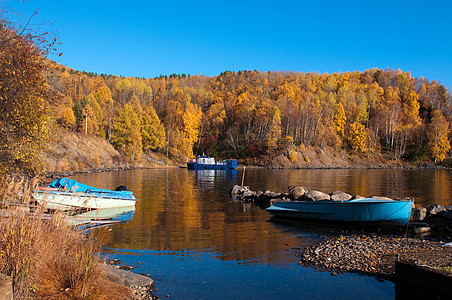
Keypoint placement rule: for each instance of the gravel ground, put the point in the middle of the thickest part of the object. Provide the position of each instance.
(143, 292)
(373, 254)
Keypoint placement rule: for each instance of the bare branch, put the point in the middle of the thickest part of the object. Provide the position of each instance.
(28, 22)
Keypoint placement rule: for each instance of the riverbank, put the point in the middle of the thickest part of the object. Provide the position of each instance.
(367, 250)
(46, 257)
(245, 242)
(74, 153)
(374, 254)
(310, 157)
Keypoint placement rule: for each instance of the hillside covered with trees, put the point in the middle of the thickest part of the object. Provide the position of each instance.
(250, 115)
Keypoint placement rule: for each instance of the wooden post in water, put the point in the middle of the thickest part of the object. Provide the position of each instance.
(243, 175)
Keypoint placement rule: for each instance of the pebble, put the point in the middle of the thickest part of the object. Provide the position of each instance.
(143, 292)
(138, 292)
(372, 254)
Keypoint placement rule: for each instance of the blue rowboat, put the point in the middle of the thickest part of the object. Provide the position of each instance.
(65, 192)
(365, 211)
(209, 163)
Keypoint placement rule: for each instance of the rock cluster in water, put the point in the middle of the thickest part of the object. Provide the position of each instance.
(295, 193)
(435, 218)
(365, 253)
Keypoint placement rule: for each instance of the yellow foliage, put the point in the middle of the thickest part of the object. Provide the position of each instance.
(275, 130)
(25, 119)
(96, 160)
(233, 114)
(412, 109)
(437, 133)
(357, 137)
(96, 109)
(293, 156)
(68, 118)
(135, 103)
(152, 130)
(340, 119)
(216, 116)
(89, 125)
(191, 122)
(62, 166)
(74, 166)
(126, 135)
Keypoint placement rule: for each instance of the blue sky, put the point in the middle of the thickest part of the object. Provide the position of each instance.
(149, 38)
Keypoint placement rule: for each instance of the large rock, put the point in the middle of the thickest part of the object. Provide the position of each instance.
(239, 189)
(269, 198)
(340, 196)
(248, 194)
(356, 197)
(381, 198)
(435, 209)
(440, 221)
(315, 196)
(126, 278)
(296, 192)
(418, 214)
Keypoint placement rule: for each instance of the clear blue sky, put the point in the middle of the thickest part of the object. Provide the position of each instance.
(149, 38)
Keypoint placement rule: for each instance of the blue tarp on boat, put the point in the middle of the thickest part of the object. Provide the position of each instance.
(74, 186)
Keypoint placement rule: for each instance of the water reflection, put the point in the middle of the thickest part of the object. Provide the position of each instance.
(179, 209)
(209, 177)
(187, 230)
(425, 186)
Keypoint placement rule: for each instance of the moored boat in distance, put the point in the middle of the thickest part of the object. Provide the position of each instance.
(362, 211)
(209, 163)
(65, 192)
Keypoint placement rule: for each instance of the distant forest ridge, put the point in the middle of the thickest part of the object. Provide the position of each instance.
(252, 114)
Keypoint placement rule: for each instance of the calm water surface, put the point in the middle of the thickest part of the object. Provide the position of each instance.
(196, 243)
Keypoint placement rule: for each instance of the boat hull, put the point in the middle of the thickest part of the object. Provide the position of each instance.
(86, 200)
(228, 164)
(364, 211)
(196, 166)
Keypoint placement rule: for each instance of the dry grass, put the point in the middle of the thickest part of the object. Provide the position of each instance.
(46, 258)
(75, 151)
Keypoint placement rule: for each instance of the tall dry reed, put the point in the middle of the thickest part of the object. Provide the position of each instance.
(47, 258)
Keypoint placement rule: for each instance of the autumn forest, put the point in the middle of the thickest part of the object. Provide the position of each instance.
(249, 115)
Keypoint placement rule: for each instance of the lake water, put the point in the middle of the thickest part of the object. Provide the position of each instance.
(196, 243)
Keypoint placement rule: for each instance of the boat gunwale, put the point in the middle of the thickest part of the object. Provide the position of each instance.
(370, 201)
(86, 195)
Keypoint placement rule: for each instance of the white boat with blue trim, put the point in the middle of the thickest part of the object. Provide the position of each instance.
(65, 192)
(209, 163)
